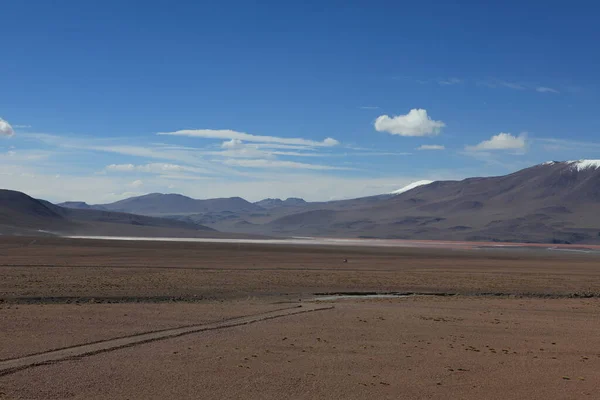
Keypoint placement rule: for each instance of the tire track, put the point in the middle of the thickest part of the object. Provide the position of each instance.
(50, 357)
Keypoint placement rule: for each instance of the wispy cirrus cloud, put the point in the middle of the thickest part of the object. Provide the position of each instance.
(439, 81)
(431, 147)
(449, 82)
(154, 168)
(265, 163)
(238, 149)
(497, 83)
(206, 160)
(512, 85)
(228, 134)
(117, 164)
(545, 89)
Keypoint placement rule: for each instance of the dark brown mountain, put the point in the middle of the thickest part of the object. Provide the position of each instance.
(19, 211)
(268, 204)
(552, 202)
(81, 205)
(169, 204)
(22, 214)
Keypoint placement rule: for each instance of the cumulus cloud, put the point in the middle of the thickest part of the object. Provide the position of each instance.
(5, 128)
(501, 141)
(232, 135)
(263, 163)
(415, 123)
(544, 89)
(431, 147)
(232, 144)
(137, 184)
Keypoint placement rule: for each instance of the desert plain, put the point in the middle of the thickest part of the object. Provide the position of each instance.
(101, 319)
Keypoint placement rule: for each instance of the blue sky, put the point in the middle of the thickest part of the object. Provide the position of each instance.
(106, 99)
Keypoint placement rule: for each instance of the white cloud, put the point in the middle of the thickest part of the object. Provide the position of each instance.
(156, 168)
(160, 166)
(241, 150)
(431, 147)
(449, 82)
(121, 167)
(137, 184)
(275, 182)
(230, 134)
(415, 123)
(281, 146)
(5, 128)
(262, 163)
(27, 157)
(22, 126)
(501, 141)
(369, 108)
(187, 155)
(512, 85)
(232, 144)
(544, 89)
(495, 83)
(329, 142)
(190, 156)
(184, 177)
(237, 149)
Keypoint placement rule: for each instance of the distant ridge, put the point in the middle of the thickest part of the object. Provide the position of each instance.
(289, 202)
(165, 204)
(81, 205)
(552, 202)
(22, 214)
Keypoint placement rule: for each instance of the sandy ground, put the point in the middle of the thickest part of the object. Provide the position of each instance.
(505, 346)
(34, 328)
(58, 268)
(410, 348)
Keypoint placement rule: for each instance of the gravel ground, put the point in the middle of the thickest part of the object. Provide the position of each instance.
(509, 344)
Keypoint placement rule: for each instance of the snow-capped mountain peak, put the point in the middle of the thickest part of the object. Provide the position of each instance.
(411, 186)
(584, 164)
(579, 165)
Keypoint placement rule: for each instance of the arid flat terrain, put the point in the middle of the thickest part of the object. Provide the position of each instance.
(518, 323)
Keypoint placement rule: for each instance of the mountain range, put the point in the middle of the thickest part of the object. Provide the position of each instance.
(21, 214)
(552, 202)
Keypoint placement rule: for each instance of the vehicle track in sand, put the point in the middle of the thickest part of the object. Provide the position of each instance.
(74, 352)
